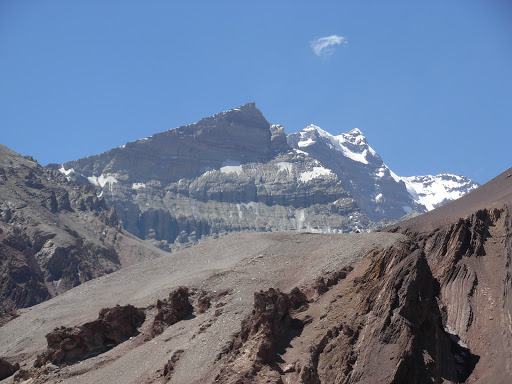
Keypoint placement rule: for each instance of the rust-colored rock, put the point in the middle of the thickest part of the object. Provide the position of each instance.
(7, 369)
(114, 325)
(172, 310)
(259, 340)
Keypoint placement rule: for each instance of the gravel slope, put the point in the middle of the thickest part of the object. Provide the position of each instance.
(243, 262)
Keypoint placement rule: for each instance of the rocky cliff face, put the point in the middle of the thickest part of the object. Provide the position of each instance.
(234, 171)
(53, 235)
(229, 172)
(241, 135)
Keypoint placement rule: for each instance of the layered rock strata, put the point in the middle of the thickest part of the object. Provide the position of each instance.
(229, 172)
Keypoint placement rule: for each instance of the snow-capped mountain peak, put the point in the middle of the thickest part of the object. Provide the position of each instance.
(434, 191)
(378, 191)
(353, 144)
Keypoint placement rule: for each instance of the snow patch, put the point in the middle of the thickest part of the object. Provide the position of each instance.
(138, 185)
(230, 166)
(63, 170)
(284, 166)
(315, 173)
(433, 191)
(250, 206)
(101, 180)
(380, 172)
(300, 218)
(306, 143)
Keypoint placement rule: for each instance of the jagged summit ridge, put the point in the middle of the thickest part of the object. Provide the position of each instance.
(377, 189)
(353, 144)
(241, 134)
(247, 109)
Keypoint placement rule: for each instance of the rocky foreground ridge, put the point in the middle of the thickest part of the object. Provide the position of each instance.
(426, 300)
(234, 171)
(54, 235)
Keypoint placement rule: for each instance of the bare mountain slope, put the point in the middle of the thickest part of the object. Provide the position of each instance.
(229, 270)
(54, 235)
(429, 304)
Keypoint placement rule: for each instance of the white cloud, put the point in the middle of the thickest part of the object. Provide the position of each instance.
(324, 46)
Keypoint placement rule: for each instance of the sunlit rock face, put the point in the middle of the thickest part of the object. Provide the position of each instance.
(234, 171)
(229, 172)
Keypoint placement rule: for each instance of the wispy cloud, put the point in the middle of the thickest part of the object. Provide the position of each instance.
(324, 46)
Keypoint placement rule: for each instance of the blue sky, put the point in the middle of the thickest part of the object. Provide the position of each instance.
(428, 83)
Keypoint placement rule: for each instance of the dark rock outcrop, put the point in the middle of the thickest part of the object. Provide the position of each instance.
(7, 369)
(114, 326)
(172, 310)
(261, 336)
(169, 366)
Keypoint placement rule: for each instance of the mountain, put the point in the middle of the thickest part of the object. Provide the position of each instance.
(434, 191)
(378, 191)
(55, 235)
(234, 171)
(229, 172)
(425, 300)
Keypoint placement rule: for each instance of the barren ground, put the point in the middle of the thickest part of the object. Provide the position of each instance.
(243, 263)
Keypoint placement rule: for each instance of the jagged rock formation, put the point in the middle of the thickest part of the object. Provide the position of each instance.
(54, 235)
(69, 345)
(253, 351)
(171, 311)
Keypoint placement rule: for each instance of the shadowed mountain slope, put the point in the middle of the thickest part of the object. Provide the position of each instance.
(55, 235)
